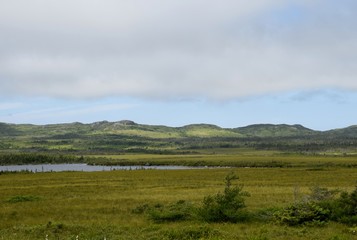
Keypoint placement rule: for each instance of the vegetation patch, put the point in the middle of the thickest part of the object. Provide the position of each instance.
(179, 211)
(227, 206)
(320, 207)
(191, 233)
(97, 205)
(308, 213)
(22, 198)
(37, 158)
(221, 207)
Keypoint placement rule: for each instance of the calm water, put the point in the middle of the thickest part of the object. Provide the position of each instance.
(81, 167)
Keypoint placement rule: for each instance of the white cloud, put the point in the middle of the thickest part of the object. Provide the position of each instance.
(175, 49)
(65, 112)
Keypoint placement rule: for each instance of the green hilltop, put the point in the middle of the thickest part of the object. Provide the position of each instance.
(271, 130)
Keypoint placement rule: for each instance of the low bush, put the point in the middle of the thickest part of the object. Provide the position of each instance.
(321, 206)
(344, 209)
(227, 206)
(304, 213)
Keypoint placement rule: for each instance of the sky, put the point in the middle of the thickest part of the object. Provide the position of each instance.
(176, 62)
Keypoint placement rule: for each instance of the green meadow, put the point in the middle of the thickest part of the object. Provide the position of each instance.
(99, 205)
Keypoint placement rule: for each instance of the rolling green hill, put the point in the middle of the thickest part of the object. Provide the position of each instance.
(270, 130)
(131, 128)
(128, 136)
(348, 132)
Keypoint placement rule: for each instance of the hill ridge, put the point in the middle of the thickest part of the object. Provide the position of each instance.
(128, 136)
(187, 126)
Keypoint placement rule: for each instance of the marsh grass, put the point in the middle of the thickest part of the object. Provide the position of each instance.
(232, 158)
(99, 204)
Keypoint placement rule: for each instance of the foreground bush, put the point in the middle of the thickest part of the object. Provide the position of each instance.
(227, 206)
(320, 207)
(344, 209)
(303, 213)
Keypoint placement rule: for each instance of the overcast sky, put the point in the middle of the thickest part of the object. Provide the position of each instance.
(175, 62)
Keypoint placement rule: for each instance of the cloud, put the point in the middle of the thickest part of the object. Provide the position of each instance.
(175, 49)
(322, 95)
(65, 113)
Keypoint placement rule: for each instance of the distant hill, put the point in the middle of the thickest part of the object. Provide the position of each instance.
(126, 135)
(348, 132)
(127, 127)
(271, 130)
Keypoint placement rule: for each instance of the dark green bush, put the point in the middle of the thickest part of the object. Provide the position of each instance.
(303, 213)
(227, 206)
(321, 206)
(312, 210)
(344, 209)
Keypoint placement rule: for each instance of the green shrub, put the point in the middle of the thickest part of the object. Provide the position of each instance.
(321, 206)
(306, 213)
(344, 209)
(227, 206)
(314, 209)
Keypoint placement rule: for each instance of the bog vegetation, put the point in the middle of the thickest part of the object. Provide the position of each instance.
(269, 203)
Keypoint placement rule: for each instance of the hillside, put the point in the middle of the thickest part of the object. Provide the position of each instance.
(271, 130)
(126, 127)
(128, 136)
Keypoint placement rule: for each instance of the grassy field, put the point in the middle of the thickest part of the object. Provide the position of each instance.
(233, 158)
(78, 205)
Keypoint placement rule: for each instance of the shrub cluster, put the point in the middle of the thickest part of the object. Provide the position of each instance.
(221, 207)
(344, 209)
(319, 207)
(303, 213)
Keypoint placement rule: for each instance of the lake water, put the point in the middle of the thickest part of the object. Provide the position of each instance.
(81, 168)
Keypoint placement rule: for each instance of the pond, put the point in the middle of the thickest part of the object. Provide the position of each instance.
(82, 168)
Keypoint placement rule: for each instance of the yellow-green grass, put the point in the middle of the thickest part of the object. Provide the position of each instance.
(235, 159)
(99, 204)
